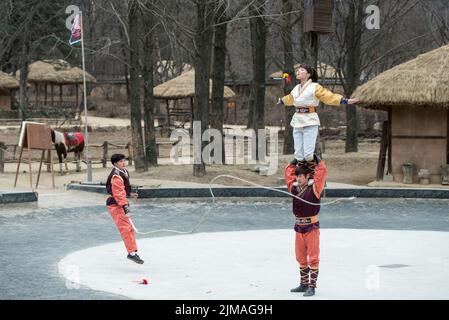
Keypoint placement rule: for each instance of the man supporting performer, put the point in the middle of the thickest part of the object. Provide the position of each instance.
(307, 226)
(119, 187)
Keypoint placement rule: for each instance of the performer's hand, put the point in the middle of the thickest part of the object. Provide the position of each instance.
(134, 195)
(295, 184)
(353, 101)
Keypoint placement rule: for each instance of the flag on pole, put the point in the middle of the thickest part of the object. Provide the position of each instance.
(76, 34)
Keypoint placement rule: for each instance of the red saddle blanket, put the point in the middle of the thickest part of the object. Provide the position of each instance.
(73, 139)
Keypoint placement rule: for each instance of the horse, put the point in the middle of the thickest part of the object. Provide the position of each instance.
(66, 142)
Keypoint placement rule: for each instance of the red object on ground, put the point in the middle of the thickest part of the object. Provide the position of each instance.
(144, 281)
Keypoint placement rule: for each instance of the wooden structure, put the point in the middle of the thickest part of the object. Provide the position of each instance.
(8, 84)
(416, 97)
(35, 136)
(318, 16)
(48, 74)
(182, 87)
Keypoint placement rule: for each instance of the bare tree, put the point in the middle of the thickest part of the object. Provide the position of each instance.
(151, 150)
(202, 60)
(286, 33)
(218, 70)
(256, 117)
(135, 24)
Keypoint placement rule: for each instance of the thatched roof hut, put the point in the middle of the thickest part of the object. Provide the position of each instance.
(416, 96)
(55, 72)
(324, 71)
(183, 87)
(8, 82)
(418, 82)
(7, 85)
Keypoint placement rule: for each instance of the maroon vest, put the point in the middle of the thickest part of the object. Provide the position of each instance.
(125, 176)
(302, 209)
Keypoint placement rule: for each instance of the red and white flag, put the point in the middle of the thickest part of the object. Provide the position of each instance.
(76, 35)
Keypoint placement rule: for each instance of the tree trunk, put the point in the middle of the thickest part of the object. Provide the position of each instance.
(258, 43)
(136, 116)
(151, 150)
(202, 58)
(23, 93)
(286, 32)
(352, 74)
(218, 75)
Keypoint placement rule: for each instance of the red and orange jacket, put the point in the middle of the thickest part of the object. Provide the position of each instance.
(311, 194)
(118, 187)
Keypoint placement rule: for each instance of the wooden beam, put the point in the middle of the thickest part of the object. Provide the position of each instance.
(390, 132)
(382, 152)
(52, 97)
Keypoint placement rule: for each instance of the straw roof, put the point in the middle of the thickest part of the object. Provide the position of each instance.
(421, 81)
(324, 71)
(182, 87)
(55, 71)
(8, 82)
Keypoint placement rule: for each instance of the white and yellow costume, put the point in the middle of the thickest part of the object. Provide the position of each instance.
(305, 121)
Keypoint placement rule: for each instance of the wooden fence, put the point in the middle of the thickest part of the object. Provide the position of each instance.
(12, 150)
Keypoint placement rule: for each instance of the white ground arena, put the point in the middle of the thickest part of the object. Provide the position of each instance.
(260, 264)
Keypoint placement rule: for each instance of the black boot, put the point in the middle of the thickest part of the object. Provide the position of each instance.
(313, 279)
(309, 292)
(304, 273)
(300, 288)
(135, 258)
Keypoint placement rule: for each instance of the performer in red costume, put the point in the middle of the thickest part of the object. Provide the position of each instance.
(307, 226)
(119, 187)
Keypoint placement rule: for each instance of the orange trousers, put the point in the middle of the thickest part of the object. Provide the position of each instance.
(307, 248)
(124, 226)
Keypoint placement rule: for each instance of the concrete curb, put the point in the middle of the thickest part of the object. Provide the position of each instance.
(17, 196)
(259, 192)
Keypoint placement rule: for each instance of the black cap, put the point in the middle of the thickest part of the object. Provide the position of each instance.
(117, 157)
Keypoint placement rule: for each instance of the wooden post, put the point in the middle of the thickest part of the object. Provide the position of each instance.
(30, 167)
(2, 157)
(45, 91)
(77, 98)
(191, 115)
(37, 93)
(105, 154)
(60, 95)
(447, 138)
(52, 171)
(389, 133)
(130, 153)
(48, 160)
(18, 166)
(168, 116)
(382, 152)
(40, 168)
(52, 97)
